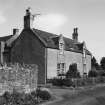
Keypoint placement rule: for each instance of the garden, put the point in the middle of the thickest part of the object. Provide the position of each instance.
(32, 98)
(73, 79)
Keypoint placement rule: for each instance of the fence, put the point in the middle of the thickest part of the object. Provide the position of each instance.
(19, 77)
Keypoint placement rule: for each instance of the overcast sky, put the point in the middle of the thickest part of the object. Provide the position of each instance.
(60, 17)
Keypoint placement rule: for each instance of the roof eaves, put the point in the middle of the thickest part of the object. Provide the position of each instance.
(5, 38)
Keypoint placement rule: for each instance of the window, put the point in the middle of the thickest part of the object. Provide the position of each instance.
(61, 48)
(60, 68)
(60, 45)
(84, 53)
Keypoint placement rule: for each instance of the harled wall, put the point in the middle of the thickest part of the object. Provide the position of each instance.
(70, 57)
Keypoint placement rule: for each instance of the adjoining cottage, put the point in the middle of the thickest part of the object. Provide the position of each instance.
(52, 53)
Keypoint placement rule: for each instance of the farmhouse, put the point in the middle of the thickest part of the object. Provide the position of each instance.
(52, 53)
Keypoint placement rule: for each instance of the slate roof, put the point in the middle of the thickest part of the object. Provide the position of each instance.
(4, 38)
(52, 41)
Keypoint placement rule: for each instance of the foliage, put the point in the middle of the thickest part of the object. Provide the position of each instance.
(102, 63)
(73, 72)
(94, 63)
(62, 82)
(57, 82)
(102, 73)
(43, 94)
(92, 73)
(67, 82)
(13, 99)
(16, 98)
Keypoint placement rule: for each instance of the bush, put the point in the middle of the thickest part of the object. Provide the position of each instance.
(102, 72)
(3, 101)
(33, 93)
(73, 71)
(62, 82)
(57, 82)
(43, 94)
(6, 96)
(92, 73)
(67, 82)
(17, 98)
(29, 100)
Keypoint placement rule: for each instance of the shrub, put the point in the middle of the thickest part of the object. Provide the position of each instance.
(57, 82)
(73, 71)
(102, 73)
(16, 98)
(3, 101)
(33, 93)
(67, 82)
(62, 82)
(92, 73)
(43, 94)
(6, 96)
(29, 100)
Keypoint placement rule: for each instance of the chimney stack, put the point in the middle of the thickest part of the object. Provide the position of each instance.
(15, 35)
(75, 35)
(15, 31)
(28, 19)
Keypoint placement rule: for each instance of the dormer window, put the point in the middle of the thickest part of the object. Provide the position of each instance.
(61, 45)
(61, 48)
(84, 53)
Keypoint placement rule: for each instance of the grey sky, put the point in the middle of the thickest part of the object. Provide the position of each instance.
(87, 15)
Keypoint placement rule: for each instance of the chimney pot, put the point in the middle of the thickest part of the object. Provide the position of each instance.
(28, 11)
(15, 31)
(75, 35)
(28, 19)
(76, 30)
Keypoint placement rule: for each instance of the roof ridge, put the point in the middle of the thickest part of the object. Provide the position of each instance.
(33, 30)
(56, 35)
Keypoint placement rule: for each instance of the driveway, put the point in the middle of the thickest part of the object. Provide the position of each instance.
(93, 95)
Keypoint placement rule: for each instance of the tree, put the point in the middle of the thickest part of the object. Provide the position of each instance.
(72, 72)
(102, 63)
(94, 63)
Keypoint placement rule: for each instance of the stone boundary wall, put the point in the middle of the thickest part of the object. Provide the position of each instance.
(88, 81)
(18, 77)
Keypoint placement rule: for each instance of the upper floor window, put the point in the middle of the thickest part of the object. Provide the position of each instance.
(60, 68)
(61, 48)
(61, 44)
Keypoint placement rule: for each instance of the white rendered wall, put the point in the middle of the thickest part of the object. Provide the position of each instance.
(70, 57)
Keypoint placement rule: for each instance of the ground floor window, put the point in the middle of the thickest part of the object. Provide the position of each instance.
(60, 69)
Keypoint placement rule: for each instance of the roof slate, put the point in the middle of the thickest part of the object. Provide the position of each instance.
(5, 38)
(52, 41)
